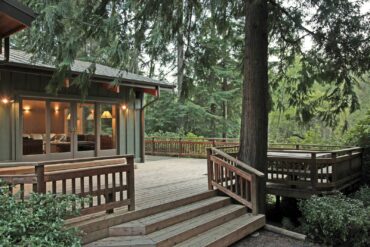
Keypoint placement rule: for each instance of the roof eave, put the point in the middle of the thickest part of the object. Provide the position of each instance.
(97, 78)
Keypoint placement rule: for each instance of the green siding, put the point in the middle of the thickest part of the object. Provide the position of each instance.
(131, 124)
(5, 132)
(20, 84)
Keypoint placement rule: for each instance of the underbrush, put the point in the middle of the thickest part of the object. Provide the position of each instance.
(338, 220)
(37, 221)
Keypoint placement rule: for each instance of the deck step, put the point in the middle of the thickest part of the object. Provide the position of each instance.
(227, 233)
(180, 232)
(167, 218)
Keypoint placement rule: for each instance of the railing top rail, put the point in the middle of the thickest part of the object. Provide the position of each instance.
(239, 163)
(302, 151)
(58, 162)
(189, 138)
(17, 164)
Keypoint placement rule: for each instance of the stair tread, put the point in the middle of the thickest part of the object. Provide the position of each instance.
(192, 223)
(152, 219)
(168, 232)
(219, 232)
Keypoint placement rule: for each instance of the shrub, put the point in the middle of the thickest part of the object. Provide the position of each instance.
(37, 221)
(336, 220)
(363, 194)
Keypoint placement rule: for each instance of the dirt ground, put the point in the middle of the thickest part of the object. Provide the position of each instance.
(265, 238)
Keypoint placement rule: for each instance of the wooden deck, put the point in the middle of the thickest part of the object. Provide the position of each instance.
(164, 179)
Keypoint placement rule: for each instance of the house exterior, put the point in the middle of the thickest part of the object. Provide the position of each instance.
(37, 126)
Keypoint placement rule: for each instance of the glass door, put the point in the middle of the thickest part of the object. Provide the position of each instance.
(85, 130)
(61, 130)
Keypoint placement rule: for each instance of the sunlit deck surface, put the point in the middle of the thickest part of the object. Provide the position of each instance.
(164, 179)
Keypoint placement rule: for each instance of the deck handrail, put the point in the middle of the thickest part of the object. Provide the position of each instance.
(58, 162)
(104, 180)
(233, 178)
(239, 163)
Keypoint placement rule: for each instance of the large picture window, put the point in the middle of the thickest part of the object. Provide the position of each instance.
(61, 129)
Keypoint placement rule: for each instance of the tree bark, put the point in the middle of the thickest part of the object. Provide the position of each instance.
(224, 110)
(253, 133)
(180, 50)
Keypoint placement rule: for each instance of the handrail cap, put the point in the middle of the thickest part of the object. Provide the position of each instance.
(239, 163)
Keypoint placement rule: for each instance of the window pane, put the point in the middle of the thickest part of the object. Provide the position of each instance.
(34, 129)
(86, 127)
(60, 120)
(108, 127)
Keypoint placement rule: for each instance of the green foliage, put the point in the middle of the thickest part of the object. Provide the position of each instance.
(363, 194)
(336, 220)
(360, 133)
(143, 36)
(37, 221)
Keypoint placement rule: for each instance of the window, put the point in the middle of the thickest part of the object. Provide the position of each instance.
(34, 127)
(60, 126)
(108, 133)
(86, 127)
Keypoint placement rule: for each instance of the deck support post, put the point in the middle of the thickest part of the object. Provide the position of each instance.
(277, 204)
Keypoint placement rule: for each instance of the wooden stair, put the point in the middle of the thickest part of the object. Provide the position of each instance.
(210, 220)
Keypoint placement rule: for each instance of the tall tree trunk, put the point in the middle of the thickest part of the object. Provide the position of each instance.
(224, 110)
(180, 64)
(253, 133)
(180, 50)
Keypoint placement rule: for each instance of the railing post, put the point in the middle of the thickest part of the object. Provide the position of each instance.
(153, 146)
(40, 175)
(213, 143)
(350, 159)
(254, 196)
(180, 146)
(210, 169)
(313, 171)
(297, 146)
(334, 167)
(130, 178)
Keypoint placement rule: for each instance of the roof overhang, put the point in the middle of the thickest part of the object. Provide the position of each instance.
(145, 87)
(14, 17)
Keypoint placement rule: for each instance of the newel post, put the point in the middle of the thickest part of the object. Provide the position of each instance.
(313, 167)
(130, 178)
(40, 176)
(209, 169)
(254, 196)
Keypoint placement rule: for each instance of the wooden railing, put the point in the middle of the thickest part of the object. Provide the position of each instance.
(197, 147)
(233, 177)
(184, 147)
(317, 170)
(310, 169)
(107, 182)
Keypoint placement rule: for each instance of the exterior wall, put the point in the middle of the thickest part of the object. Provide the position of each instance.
(18, 84)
